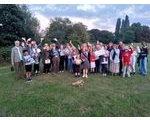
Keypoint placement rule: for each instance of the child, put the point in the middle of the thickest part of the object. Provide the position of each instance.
(133, 59)
(104, 62)
(77, 62)
(36, 58)
(28, 60)
(92, 62)
(126, 56)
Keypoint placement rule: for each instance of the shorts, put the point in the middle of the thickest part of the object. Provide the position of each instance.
(28, 68)
(93, 65)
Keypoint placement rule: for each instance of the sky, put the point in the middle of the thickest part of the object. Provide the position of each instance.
(94, 16)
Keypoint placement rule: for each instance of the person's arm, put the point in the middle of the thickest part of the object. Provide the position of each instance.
(41, 43)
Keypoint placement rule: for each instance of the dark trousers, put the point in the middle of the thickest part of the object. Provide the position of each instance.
(61, 64)
(36, 67)
(46, 68)
(66, 62)
(77, 68)
(120, 67)
(97, 62)
(104, 68)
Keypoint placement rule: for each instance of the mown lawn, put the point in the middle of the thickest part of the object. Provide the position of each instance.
(51, 95)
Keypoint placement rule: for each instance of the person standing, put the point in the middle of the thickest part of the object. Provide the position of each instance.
(114, 60)
(17, 60)
(62, 58)
(121, 49)
(143, 59)
(55, 59)
(133, 59)
(126, 56)
(85, 59)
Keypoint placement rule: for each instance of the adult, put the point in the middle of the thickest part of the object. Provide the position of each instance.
(143, 59)
(114, 60)
(17, 60)
(121, 49)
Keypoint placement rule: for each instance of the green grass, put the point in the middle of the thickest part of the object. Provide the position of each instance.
(51, 95)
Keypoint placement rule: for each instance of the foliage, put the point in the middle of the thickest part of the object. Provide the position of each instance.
(64, 30)
(17, 21)
(102, 36)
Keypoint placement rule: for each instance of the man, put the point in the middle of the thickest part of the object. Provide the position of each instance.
(17, 60)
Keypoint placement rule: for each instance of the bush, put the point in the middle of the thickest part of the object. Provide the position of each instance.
(5, 53)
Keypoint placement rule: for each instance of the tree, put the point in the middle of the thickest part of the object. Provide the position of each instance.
(117, 30)
(137, 28)
(126, 22)
(128, 36)
(17, 22)
(102, 36)
(64, 30)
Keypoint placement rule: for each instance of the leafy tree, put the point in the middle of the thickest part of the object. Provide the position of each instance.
(128, 36)
(17, 22)
(64, 30)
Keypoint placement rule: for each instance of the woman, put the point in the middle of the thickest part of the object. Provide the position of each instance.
(143, 59)
(62, 58)
(55, 59)
(114, 60)
(46, 59)
(84, 57)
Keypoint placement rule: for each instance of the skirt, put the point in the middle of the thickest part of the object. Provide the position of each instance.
(114, 67)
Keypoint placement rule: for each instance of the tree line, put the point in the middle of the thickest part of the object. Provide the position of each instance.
(18, 21)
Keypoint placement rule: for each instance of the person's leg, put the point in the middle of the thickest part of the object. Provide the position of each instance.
(60, 64)
(35, 68)
(128, 71)
(124, 70)
(141, 66)
(29, 75)
(120, 67)
(83, 72)
(145, 66)
(58, 61)
(63, 62)
(86, 73)
(66, 62)
(21, 70)
(38, 68)
(133, 65)
(97, 66)
(44, 68)
(16, 66)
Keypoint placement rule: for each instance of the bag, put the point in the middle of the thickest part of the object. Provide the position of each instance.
(12, 69)
(47, 61)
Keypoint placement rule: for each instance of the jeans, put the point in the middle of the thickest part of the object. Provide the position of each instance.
(126, 69)
(133, 62)
(143, 66)
(70, 65)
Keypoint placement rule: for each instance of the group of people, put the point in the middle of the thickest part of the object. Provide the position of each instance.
(84, 59)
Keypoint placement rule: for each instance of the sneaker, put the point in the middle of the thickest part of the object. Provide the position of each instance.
(62, 71)
(86, 76)
(83, 76)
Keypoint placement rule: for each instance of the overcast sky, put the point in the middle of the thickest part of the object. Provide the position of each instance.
(100, 16)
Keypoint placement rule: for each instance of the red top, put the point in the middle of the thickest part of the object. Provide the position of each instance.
(126, 57)
(92, 58)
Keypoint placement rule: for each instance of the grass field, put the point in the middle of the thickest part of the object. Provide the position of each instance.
(49, 95)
